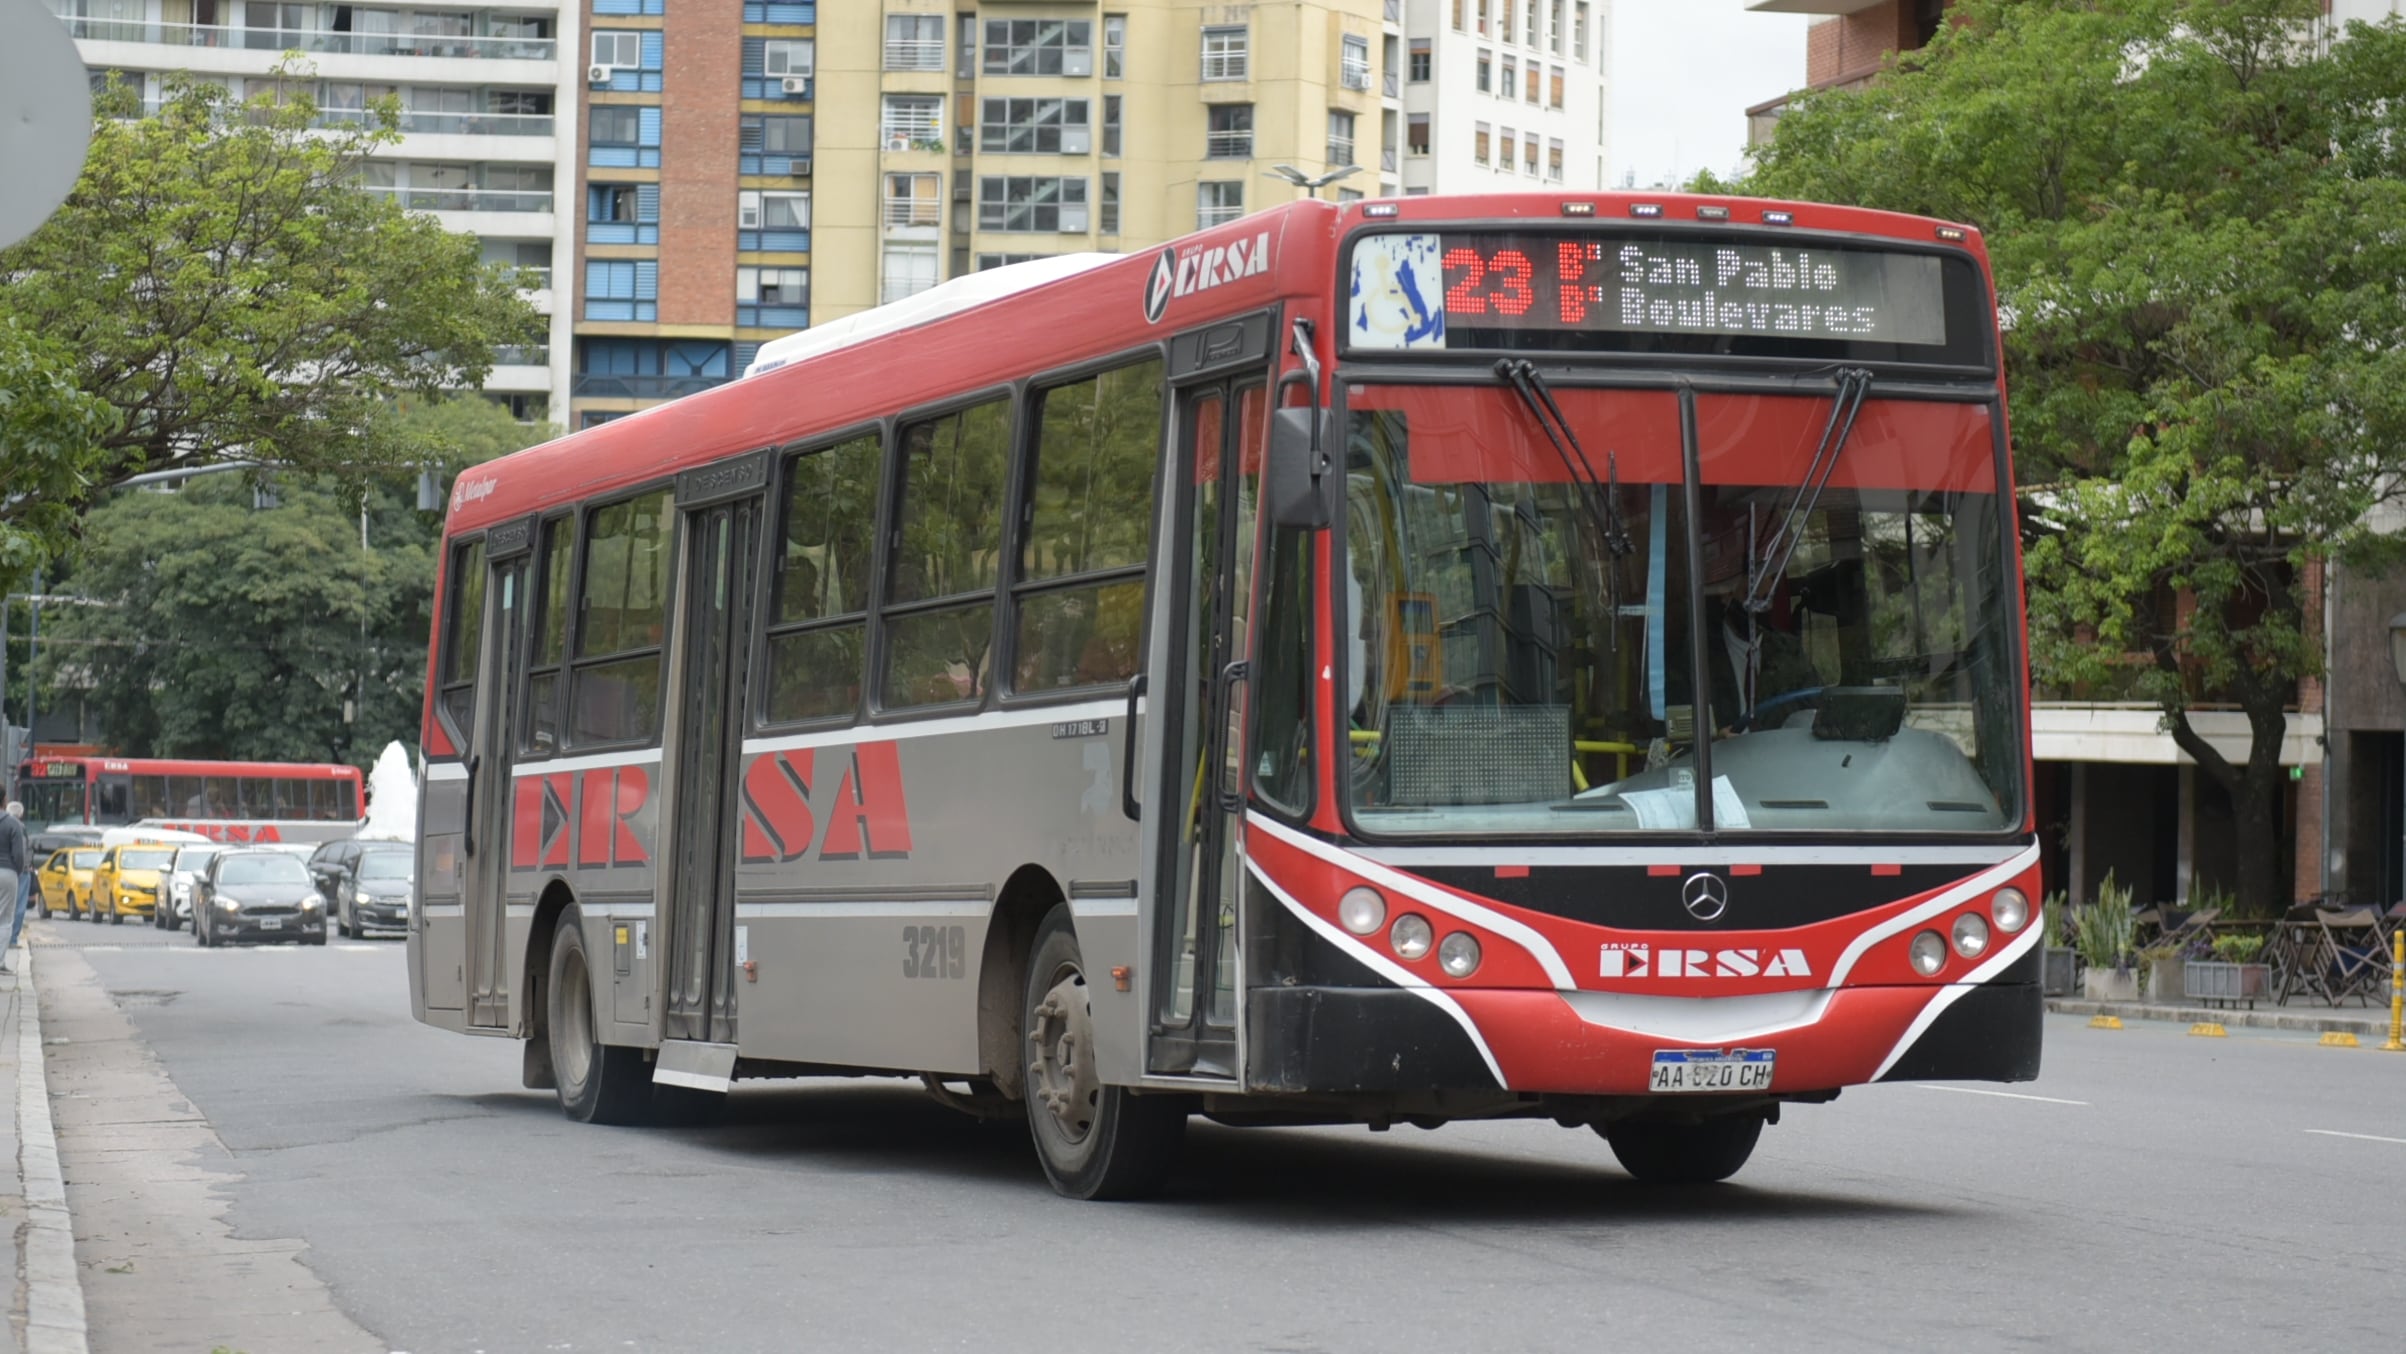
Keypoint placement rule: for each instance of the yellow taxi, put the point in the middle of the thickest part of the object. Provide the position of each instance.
(128, 879)
(65, 880)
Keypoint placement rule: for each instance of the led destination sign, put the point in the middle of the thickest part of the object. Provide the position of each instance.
(1425, 290)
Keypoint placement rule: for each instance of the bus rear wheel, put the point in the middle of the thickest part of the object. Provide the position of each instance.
(598, 1083)
(1096, 1141)
(1667, 1152)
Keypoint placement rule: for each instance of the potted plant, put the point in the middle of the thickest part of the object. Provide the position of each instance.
(2232, 975)
(2102, 933)
(2062, 971)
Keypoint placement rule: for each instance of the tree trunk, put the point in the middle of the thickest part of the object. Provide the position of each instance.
(2255, 794)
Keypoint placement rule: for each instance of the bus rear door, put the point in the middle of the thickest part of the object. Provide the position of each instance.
(494, 736)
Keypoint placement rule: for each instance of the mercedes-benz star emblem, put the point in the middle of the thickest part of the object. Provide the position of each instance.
(1157, 287)
(1706, 896)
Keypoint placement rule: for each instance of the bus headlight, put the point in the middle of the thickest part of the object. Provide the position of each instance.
(1971, 935)
(1929, 953)
(2011, 908)
(1459, 955)
(1411, 935)
(1362, 910)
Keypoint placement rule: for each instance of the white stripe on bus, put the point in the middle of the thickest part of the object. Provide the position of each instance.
(1453, 905)
(589, 762)
(1476, 856)
(1388, 969)
(931, 728)
(890, 909)
(1955, 992)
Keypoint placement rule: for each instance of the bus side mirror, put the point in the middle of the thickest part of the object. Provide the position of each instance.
(1293, 480)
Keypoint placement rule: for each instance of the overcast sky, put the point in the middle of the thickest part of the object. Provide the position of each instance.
(1684, 72)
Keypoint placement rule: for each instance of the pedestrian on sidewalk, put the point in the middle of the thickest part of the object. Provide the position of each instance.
(16, 874)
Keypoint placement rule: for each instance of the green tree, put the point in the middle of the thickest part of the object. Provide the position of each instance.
(2192, 211)
(50, 436)
(229, 292)
(291, 632)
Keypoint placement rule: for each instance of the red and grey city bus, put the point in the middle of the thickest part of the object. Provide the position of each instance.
(1525, 656)
(231, 801)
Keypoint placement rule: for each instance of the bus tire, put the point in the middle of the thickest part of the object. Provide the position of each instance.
(1095, 1141)
(598, 1083)
(1666, 1152)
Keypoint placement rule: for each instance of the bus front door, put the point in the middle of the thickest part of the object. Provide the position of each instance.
(702, 943)
(1191, 867)
(495, 735)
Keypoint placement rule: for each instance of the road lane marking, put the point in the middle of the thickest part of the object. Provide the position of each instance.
(2361, 1137)
(2002, 1095)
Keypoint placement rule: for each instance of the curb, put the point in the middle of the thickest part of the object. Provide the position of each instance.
(54, 1288)
(2196, 1015)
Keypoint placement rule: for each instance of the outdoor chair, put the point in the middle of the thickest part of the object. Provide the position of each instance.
(2355, 953)
(2294, 951)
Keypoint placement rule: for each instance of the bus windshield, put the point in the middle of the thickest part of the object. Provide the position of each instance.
(1522, 661)
(53, 801)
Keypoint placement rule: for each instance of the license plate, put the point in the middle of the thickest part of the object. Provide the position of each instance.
(1708, 1069)
(271, 923)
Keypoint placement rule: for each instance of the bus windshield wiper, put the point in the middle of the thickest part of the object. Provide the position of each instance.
(1525, 381)
(1853, 384)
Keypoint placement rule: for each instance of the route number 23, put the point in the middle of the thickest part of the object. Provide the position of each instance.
(935, 952)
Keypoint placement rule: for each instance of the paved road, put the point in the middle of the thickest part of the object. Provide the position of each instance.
(2152, 1191)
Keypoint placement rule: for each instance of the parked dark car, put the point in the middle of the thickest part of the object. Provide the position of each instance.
(257, 895)
(329, 862)
(376, 888)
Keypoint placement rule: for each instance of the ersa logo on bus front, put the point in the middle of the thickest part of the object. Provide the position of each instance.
(1202, 270)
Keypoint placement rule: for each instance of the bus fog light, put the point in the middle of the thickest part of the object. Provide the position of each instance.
(1411, 935)
(2011, 908)
(1929, 953)
(1971, 935)
(1459, 955)
(1362, 910)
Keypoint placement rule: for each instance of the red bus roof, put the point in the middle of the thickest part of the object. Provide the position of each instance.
(172, 766)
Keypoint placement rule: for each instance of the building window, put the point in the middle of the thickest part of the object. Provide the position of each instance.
(914, 42)
(1416, 134)
(1482, 18)
(966, 67)
(1111, 124)
(914, 199)
(1224, 53)
(1217, 201)
(1528, 151)
(1229, 134)
(1422, 58)
(1554, 33)
(610, 202)
(908, 270)
(1353, 65)
(1579, 30)
(1034, 127)
(1478, 146)
(1031, 203)
(989, 262)
(1554, 92)
(1108, 213)
(617, 49)
(616, 125)
(1503, 21)
(1039, 47)
(763, 210)
(912, 122)
(772, 298)
(1115, 45)
(773, 144)
(1458, 16)
(1340, 137)
(1486, 72)
(1507, 157)
(1554, 159)
(1529, 34)
(788, 56)
(1510, 85)
(1536, 81)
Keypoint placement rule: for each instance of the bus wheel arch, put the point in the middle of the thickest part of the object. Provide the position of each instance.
(534, 1001)
(1026, 898)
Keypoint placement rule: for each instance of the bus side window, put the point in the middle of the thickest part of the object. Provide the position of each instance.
(821, 616)
(110, 801)
(150, 797)
(541, 731)
(1080, 604)
(939, 621)
(346, 801)
(463, 628)
(222, 800)
(614, 681)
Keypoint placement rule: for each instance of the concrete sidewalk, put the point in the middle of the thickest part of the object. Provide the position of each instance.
(46, 1304)
(2369, 1026)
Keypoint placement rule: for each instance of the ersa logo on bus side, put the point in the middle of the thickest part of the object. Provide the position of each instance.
(1202, 270)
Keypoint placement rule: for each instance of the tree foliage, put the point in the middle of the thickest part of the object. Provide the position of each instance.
(227, 289)
(2192, 208)
(50, 436)
(231, 630)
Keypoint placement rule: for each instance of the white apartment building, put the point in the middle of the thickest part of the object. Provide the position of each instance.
(1504, 95)
(487, 92)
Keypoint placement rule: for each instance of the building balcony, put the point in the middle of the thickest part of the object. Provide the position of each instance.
(312, 41)
(1228, 145)
(519, 379)
(610, 386)
(915, 54)
(480, 200)
(912, 211)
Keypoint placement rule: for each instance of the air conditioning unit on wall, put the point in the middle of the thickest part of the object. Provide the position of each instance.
(599, 75)
(796, 84)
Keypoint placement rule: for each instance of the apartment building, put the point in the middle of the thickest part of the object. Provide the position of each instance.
(481, 88)
(1506, 94)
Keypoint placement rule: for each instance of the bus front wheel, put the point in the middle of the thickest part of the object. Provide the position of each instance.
(1096, 1141)
(1664, 1152)
(599, 1083)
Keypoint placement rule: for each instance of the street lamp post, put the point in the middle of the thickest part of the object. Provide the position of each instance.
(1311, 184)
